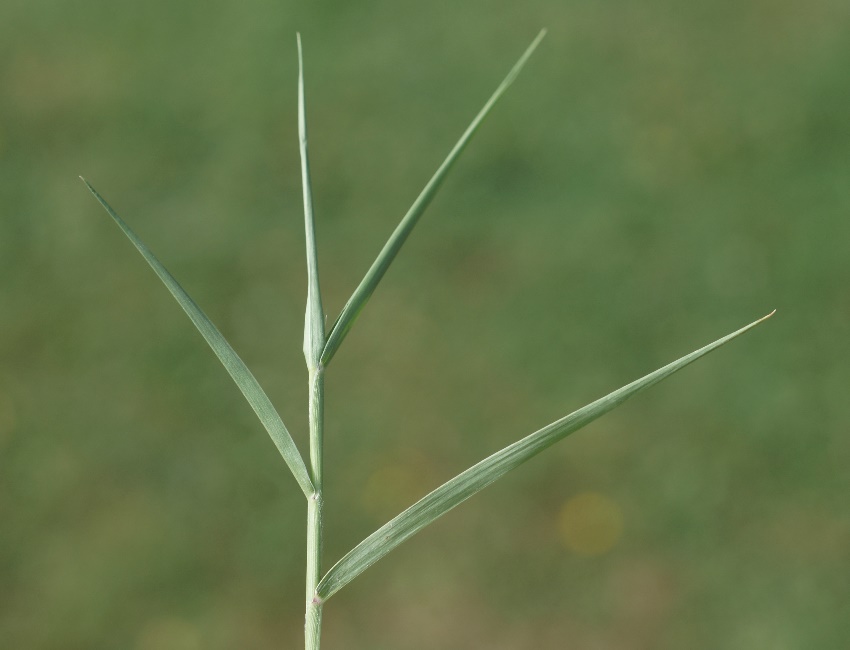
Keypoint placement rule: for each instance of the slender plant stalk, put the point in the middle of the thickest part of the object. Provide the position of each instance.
(315, 505)
(314, 343)
(319, 349)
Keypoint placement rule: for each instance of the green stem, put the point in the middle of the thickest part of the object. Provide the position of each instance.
(313, 617)
(314, 343)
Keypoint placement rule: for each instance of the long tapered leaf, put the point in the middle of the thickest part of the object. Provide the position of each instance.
(373, 276)
(246, 382)
(314, 319)
(479, 476)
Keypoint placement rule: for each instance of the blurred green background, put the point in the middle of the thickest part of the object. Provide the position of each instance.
(662, 173)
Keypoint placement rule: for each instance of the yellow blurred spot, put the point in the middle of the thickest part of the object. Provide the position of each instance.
(169, 633)
(394, 486)
(590, 524)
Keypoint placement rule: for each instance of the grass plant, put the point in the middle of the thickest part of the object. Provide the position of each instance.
(321, 344)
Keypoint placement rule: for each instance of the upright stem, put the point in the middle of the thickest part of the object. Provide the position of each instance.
(313, 618)
(314, 343)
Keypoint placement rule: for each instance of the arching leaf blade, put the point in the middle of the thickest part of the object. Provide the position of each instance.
(237, 369)
(479, 476)
(379, 267)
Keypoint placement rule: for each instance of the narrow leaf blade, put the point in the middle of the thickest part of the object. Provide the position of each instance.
(379, 267)
(479, 476)
(246, 382)
(314, 319)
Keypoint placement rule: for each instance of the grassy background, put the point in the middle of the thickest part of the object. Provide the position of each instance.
(662, 173)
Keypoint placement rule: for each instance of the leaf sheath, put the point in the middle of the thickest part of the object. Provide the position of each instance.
(314, 319)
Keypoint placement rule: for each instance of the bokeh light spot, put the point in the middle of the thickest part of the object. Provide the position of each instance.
(394, 486)
(169, 633)
(590, 524)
